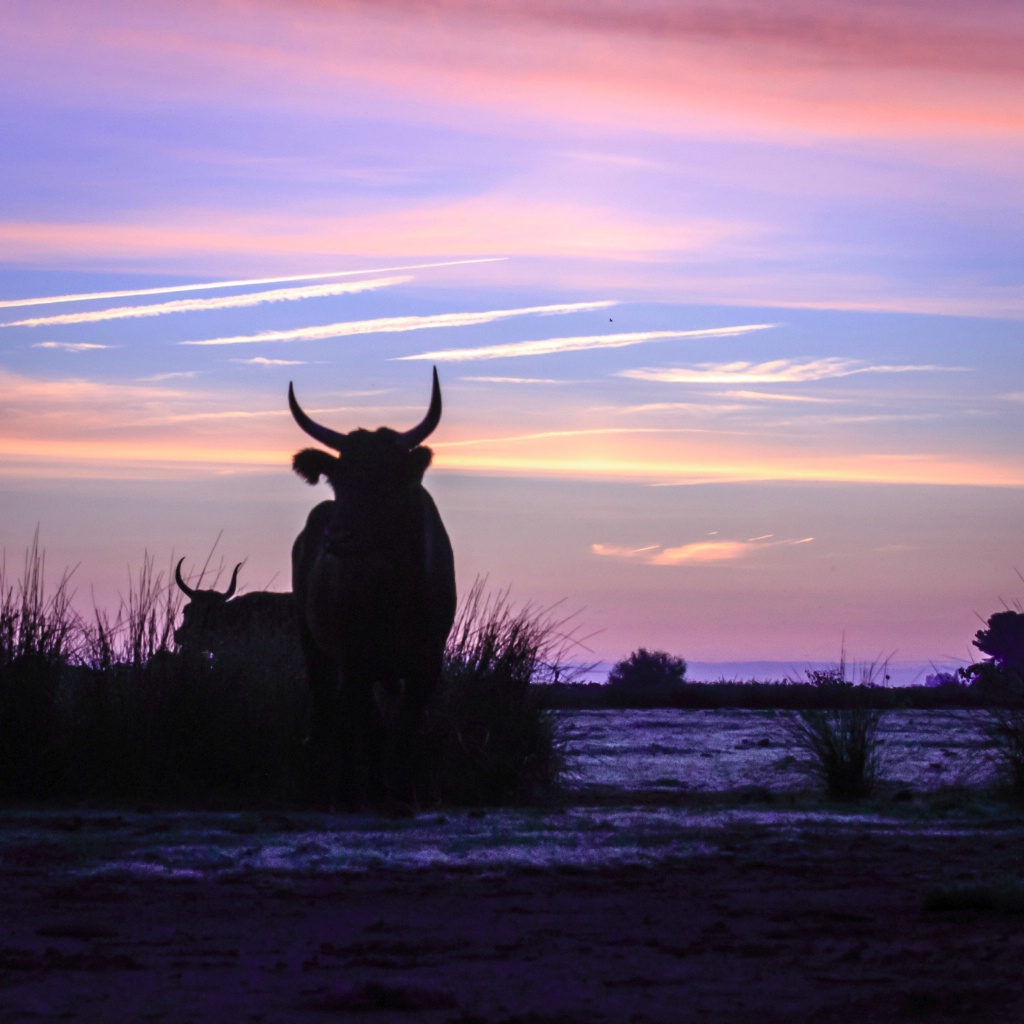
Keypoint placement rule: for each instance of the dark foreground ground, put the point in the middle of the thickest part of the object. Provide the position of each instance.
(822, 924)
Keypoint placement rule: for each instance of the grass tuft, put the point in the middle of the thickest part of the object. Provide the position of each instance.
(488, 739)
(840, 740)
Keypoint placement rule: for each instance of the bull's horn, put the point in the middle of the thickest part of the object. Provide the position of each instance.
(419, 434)
(324, 435)
(182, 585)
(234, 579)
(333, 439)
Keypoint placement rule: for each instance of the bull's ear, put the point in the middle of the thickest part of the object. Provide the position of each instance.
(312, 463)
(419, 459)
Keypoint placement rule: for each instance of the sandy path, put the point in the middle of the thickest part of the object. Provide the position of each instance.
(825, 925)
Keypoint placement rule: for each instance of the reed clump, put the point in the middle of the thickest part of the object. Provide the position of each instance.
(839, 739)
(488, 738)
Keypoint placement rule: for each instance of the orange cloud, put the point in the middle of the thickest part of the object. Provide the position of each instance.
(697, 552)
(101, 426)
(174, 428)
(684, 456)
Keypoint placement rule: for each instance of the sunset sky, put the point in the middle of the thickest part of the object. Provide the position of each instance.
(726, 300)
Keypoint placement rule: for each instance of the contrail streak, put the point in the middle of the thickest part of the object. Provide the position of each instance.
(393, 324)
(777, 371)
(43, 301)
(204, 305)
(549, 346)
(69, 346)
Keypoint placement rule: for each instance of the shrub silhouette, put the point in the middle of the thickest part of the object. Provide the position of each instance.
(647, 675)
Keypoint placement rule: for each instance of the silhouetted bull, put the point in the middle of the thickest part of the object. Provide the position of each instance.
(374, 583)
(213, 623)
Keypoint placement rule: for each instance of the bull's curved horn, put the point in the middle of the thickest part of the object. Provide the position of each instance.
(234, 579)
(182, 585)
(324, 435)
(333, 439)
(420, 433)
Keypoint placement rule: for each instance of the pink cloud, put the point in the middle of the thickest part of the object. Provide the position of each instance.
(502, 225)
(796, 67)
(675, 260)
(908, 34)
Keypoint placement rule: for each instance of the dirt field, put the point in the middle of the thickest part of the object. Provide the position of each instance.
(825, 923)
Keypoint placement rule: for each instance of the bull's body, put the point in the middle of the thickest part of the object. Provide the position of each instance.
(219, 623)
(374, 583)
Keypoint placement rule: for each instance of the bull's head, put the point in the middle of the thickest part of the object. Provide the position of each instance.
(198, 621)
(374, 476)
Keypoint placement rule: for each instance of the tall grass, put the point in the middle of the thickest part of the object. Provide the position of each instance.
(840, 740)
(39, 635)
(488, 739)
(107, 709)
(143, 625)
(32, 624)
(148, 722)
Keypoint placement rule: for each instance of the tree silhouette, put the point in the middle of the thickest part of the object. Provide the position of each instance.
(648, 673)
(1003, 641)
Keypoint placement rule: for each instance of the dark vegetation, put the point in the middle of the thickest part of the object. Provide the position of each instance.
(647, 675)
(656, 680)
(106, 708)
(1000, 679)
(758, 695)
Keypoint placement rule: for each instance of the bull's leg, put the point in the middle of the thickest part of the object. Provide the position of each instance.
(323, 768)
(363, 742)
(404, 769)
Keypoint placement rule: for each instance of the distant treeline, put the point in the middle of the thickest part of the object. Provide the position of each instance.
(763, 695)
